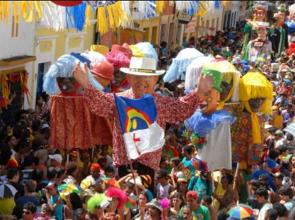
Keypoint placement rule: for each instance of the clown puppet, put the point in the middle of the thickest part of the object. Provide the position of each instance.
(215, 125)
(142, 76)
(259, 15)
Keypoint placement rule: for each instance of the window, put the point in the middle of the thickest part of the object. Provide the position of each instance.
(171, 34)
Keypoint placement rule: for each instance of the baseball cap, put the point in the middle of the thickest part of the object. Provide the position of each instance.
(56, 157)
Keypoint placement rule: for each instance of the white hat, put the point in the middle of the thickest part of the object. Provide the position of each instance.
(56, 157)
(292, 9)
(143, 66)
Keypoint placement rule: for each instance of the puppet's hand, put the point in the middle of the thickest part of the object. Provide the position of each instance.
(81, 75)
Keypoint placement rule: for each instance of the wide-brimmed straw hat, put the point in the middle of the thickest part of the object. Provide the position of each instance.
(143, 66)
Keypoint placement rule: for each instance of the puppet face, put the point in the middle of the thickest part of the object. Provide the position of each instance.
(261, 32)
(281, 16)
(211, 102)
(256, 104)
(67, 85)
(226, 87)
(102, 81)
(142, 84)
(259, 15)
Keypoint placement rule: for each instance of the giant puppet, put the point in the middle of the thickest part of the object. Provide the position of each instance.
(259, 15)
(255, 94)
(142, 76)
(72, 124)
(214, 121)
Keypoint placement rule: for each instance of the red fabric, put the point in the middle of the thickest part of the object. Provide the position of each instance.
(291, 49)
(72, 124)
(67, 3)
(170, 110)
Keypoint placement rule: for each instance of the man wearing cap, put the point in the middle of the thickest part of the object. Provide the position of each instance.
(93, 177)
(199, 211)
(143, 76)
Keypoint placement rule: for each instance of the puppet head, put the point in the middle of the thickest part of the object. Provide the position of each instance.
(259, 12)
(213, 97)
(256, 95)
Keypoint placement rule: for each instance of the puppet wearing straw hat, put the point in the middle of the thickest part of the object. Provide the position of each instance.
(143, 75)
(255, 94)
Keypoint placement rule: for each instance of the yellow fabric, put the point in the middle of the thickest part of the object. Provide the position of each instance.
(160, 6)
(4, 11)
(255, 85)
(102, 23)
(29, 8)
(256, 132)
(228, 97)
(278, 121)
(99, 48)
(216, 176)
(203, 8)
(88, 14)
(136, 52)
(111, 17)
(16, 11)
(225, 67)
(87, 182)
(120, 15)
(7, 206)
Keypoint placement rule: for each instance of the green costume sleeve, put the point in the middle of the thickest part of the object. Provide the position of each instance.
(247, 37)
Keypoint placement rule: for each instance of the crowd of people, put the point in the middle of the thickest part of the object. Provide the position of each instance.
(41, 182)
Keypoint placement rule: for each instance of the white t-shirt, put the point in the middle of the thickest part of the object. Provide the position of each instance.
(263, 211)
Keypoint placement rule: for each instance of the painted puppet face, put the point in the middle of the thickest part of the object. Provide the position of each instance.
(211, 102)
(142, 84)
(256, 104)
(259, 15)
(67, 85)
(261, 32)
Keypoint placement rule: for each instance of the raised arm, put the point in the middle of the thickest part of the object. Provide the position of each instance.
(100, 103)
(174, 110)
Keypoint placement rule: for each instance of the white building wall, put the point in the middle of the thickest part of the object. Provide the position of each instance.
(22, 44)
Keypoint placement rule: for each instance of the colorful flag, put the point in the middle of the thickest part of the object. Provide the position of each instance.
(138, 119)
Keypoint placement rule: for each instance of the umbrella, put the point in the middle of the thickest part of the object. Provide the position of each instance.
(7, 190)
(291, 129)
(241, 212)
(180, 63)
